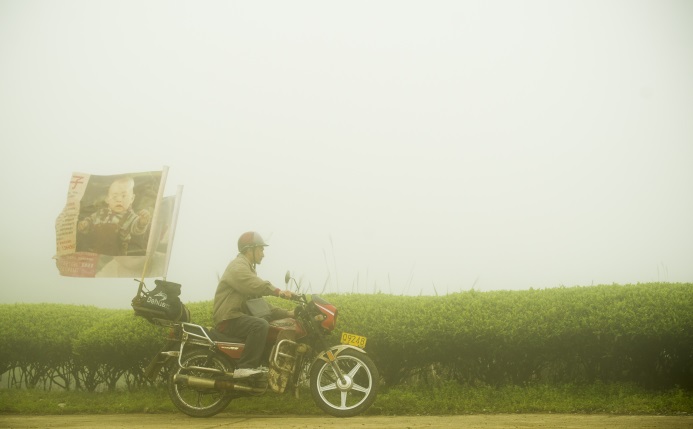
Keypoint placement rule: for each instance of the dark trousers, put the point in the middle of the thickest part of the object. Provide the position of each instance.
(254, 330)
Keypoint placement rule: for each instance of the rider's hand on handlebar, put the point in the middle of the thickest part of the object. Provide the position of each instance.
(286, 294)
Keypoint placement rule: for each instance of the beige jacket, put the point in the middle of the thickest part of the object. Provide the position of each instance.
(238, 284)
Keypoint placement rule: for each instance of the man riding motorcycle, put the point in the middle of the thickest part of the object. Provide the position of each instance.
(238, 284)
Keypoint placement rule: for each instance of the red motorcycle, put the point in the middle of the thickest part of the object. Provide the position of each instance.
(199, 362)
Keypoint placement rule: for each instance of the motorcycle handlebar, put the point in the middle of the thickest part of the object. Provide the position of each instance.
(293, 297)
(298, 297)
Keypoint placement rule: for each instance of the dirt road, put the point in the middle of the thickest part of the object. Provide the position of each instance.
(493, 421)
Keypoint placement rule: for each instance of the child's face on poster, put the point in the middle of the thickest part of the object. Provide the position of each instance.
(120, 196)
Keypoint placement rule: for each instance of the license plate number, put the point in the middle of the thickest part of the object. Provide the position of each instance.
(354, 340)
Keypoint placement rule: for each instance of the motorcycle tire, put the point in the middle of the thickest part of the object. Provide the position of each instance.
(198, 401)
(345, 399)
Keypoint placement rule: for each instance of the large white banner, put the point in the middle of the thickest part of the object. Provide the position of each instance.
(116, 226)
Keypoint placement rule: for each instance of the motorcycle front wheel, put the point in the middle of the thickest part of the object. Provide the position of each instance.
(352, 396)
(199, 401)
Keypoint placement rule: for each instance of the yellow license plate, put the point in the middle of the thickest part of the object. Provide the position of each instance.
(353, 340)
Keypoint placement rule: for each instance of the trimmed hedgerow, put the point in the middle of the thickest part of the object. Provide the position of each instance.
(640, 334)
(637, 333)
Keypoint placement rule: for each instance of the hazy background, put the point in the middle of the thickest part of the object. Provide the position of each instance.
(393, 146)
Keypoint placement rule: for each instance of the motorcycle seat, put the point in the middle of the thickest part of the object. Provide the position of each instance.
(219, 337)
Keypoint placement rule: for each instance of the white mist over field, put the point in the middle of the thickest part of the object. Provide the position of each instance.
(400, 147)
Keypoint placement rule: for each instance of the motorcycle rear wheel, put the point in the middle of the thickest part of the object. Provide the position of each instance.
(350, 398)
(197, 401)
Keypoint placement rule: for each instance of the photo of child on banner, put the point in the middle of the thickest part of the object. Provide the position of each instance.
(110, 226)
(116, 226)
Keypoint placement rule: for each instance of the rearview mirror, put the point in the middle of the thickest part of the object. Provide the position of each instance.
(287, 277)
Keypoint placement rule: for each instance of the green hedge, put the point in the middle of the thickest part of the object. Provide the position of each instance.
(641, 333)
(636, 333)
(117, 347)
(36, 342)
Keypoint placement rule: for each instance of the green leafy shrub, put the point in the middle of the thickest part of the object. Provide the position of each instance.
(36, 342)
(637, 333)
(640, 334)
(118, 346)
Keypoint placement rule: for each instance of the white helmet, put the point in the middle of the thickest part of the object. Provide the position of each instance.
(249, 240)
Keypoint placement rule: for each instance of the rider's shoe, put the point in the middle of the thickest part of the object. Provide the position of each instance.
(248, 372)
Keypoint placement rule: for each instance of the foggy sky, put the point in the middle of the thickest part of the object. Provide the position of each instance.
(397, 146)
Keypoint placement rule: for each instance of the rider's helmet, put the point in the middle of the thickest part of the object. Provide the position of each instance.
(250, 239)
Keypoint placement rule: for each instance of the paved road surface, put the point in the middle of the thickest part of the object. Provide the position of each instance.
(231, 421)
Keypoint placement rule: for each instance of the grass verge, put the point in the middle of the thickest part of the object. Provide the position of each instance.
(447, 399)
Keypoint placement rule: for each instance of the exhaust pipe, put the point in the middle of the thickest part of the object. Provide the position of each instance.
(208, 383)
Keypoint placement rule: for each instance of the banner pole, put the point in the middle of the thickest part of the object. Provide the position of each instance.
(155, 217)
(174, 222)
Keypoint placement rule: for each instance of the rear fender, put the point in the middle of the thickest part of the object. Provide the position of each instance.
(168, 352)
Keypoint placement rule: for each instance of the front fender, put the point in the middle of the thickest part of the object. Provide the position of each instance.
(336, 350)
